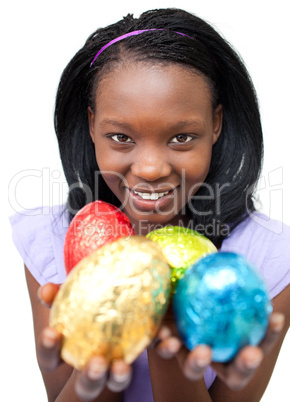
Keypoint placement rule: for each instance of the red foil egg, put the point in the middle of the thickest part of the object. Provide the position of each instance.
(95, 225)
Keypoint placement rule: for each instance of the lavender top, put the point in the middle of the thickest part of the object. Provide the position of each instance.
(39, 237)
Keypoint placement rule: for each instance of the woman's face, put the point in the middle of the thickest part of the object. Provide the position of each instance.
(153, 130)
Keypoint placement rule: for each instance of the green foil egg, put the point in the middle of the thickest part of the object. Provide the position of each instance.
(181, 247)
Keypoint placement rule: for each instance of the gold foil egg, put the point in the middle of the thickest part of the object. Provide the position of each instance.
(112, 302)
(182, 247)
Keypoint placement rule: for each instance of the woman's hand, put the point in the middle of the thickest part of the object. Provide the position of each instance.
(96, 375)
(235, 374)
(92, 380)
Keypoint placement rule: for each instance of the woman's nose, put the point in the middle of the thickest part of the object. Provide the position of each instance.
(151, 165)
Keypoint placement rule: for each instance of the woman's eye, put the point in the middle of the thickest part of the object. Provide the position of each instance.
(121, 138)
(181, 138)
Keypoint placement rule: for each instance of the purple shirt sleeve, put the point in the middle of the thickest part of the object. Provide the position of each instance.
(38, 235)
(266, 244)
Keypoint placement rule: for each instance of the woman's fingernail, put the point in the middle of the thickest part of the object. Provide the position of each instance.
(120, 377)
(174, 345)
(39, 293)
(278, 321)
(202, 363)
(253, 364)
(40, 299)
(49, 338)
(203, 359)
(39, 296)
(164, 333)
(96, 371)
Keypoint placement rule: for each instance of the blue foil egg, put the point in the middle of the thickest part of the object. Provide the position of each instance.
(222, 302)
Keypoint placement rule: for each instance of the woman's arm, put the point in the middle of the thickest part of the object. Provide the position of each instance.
(62, 382)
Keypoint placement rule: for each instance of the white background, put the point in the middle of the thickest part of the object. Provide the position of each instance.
(37, 41)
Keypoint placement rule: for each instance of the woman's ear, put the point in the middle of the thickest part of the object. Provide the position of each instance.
(217, 123)
(91, 121)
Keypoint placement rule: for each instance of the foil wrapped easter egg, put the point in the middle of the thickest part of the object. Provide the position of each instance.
(93, 226)
(112, 302)
(182, 247)
(222, 302)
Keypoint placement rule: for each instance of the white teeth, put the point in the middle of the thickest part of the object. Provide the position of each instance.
(154, 196)
(151, 196)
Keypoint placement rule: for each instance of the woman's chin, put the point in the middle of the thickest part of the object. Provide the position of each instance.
(145, 223)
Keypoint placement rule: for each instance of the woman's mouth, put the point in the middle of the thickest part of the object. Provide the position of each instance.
(150, 196)
(151, 201)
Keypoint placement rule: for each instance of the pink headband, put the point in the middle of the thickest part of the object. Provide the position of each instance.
(131, 34)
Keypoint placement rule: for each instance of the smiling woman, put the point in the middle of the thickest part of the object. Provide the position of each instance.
(172, 105)
(154, 150)
(173, 136)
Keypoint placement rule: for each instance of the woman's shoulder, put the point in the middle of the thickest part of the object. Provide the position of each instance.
(38, 235)
(265, 243)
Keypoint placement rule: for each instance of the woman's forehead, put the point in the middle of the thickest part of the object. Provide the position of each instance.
(143, 81)
(142, 98)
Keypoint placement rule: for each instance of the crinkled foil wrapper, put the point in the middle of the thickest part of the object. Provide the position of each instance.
(182, 247)
(112, 302)
(222, 302)
(95, 225)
